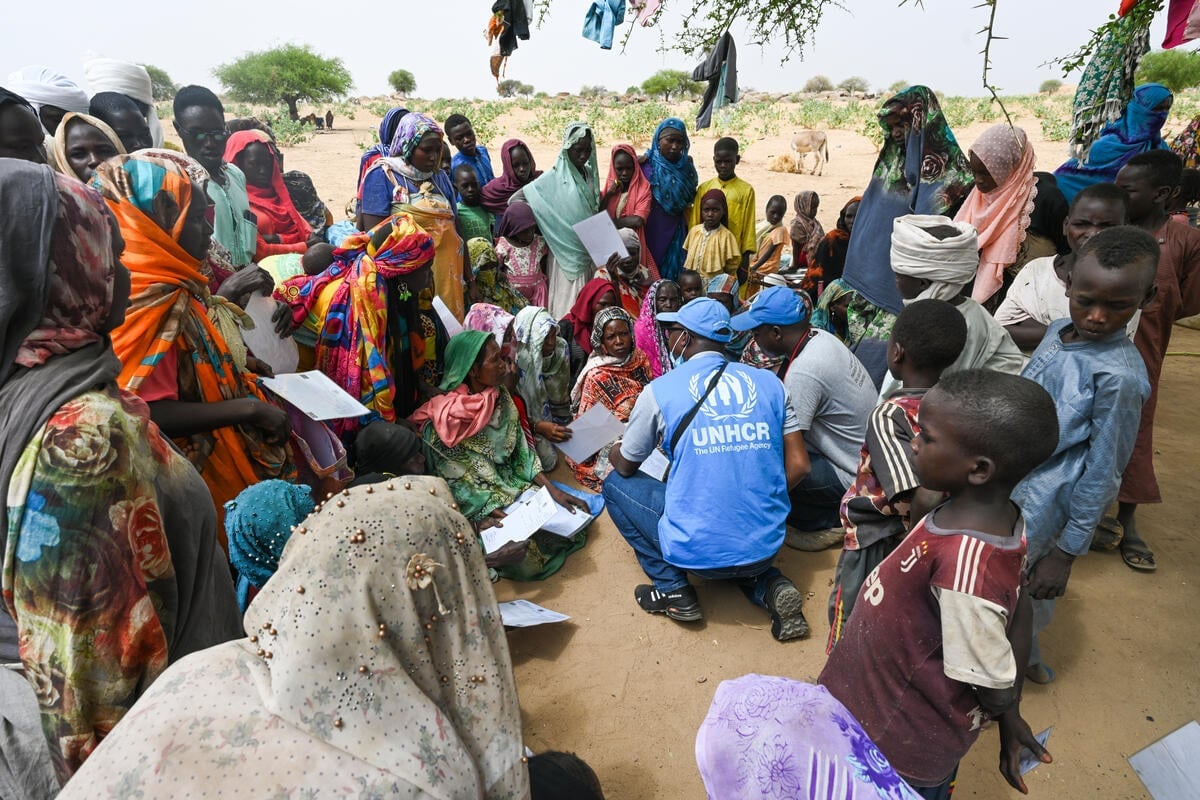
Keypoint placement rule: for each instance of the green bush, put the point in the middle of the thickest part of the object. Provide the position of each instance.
(818, 83)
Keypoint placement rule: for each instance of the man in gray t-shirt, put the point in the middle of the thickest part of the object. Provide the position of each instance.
(831, 394)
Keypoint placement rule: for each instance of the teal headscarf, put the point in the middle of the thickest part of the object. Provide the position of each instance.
(562, 197)
(460, 356)
(259, 522)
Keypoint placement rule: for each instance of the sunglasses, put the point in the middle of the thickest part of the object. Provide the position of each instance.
(201, 136)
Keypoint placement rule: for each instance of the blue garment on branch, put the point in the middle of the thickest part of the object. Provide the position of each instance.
(602, 19)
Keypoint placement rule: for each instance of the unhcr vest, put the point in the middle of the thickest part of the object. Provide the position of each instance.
(726, 500)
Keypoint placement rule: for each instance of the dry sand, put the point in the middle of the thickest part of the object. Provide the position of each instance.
(627, 691)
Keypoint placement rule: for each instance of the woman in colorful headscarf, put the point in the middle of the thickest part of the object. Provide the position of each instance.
(673, 181)
(565, 195)
(543, 380)
(387, 132)
(648, 332)
(830, 313)
(828, 260)
(347, 639)
(81, 143)
(410, 180)
(519, 170)
(494, 320)
(259, 522)
(111, 565)
(281, 228)
(474, 433)
(805, 231)
(627, 198)
(614, 376)
(920, 170)
(1000, 205)
(766, 737)
(490, 278)
(576, 327)
(1137, 130)
(361, 320)
(173, 356)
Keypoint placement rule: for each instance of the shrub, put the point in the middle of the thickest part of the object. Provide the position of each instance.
(1050, 86)
(818, 83)
(854, 84)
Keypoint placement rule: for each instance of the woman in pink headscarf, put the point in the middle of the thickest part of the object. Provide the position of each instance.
(1000, 204)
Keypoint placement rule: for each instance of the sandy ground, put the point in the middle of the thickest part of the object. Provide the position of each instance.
(627, 691)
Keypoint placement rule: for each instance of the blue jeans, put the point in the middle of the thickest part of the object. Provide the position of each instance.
(636, 504)
(817, 498)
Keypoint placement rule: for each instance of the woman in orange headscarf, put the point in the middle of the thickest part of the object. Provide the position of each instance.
(281, 228)
(171, 354)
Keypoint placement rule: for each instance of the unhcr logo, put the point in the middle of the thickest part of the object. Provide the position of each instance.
(730, 403)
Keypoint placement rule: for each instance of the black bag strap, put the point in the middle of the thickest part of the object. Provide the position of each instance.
(688, 417)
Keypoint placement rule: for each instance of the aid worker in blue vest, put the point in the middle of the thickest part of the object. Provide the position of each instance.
(735, 448)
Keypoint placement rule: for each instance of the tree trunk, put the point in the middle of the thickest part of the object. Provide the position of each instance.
(293, 112)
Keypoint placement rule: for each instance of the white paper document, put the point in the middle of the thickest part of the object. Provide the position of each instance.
(452, 325)
(262, 340)
(315, 395)
(655, 465)
(594, 429)
(1170, 768)
(524, 614)
(526, 516)
(599, 236)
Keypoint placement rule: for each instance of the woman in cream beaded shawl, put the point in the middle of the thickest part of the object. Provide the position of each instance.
(376, 665)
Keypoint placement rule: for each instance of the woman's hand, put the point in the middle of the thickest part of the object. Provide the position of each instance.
(568, 501)
(552, 431)
(238, 287)
(510, 553)
(270, 419)
(283, 320)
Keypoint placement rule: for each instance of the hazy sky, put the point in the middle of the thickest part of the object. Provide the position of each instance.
(441, 43)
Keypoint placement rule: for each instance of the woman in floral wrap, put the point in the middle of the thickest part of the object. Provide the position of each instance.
(111, 564)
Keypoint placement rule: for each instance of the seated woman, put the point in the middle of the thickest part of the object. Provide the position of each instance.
(830, 313)
(649, 334)
(82, 143)
(173, 356)
(496, 321)
(112, 568)
(614, 376)
(355, 632)
(491, 279)
(576, 327)
(474, 434)
(358, 318)
(519, 169)
(384, 450)
(281, 228)
(258, 523)
(543, 380)
(767, 737)
(1000, 205)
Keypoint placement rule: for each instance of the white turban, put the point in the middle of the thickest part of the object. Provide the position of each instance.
(42, 86)
(948, 264)
(129, 79)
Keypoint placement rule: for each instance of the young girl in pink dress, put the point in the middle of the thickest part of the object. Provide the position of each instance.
(523, 253)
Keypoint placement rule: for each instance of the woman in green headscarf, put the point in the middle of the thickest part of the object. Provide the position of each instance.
(475, 436)
(563, 196)
(491, 278)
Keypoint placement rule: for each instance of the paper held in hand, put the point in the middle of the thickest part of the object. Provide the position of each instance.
(452, 325)
(595, 428)
(315, 395)
(599, 237)
(534, 510)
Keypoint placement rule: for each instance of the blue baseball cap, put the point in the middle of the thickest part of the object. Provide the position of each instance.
(703, 317)
(775, 305)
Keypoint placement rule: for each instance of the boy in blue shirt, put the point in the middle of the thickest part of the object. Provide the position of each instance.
(1098, 381)
(460, 134)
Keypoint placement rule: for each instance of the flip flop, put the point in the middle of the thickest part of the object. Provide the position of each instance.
(1109, 534)
(1138, 556)
(1039, 674)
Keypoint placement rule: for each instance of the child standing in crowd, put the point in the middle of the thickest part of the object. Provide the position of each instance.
(886, 497)
(1039, 294)
(739, 197)
(474, 220)
(710, 248)
(1098, 380)
(932, 649)
(1150, 179)
(771, 241)
(690, 285)
(462, 136)
(523, 252)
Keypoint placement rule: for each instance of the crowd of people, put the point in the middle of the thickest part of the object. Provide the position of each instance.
(955, 386)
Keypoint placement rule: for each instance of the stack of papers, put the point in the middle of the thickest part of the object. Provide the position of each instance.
(534, 510)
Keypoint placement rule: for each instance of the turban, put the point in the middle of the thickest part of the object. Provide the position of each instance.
(948, 264)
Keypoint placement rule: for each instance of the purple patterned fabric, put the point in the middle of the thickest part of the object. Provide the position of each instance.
(768, 738)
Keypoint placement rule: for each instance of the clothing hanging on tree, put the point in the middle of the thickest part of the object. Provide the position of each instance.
(1106, 84)
(719, 68)
(647, 11)
(603, 16)
(516, 14)
(1183, 17)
